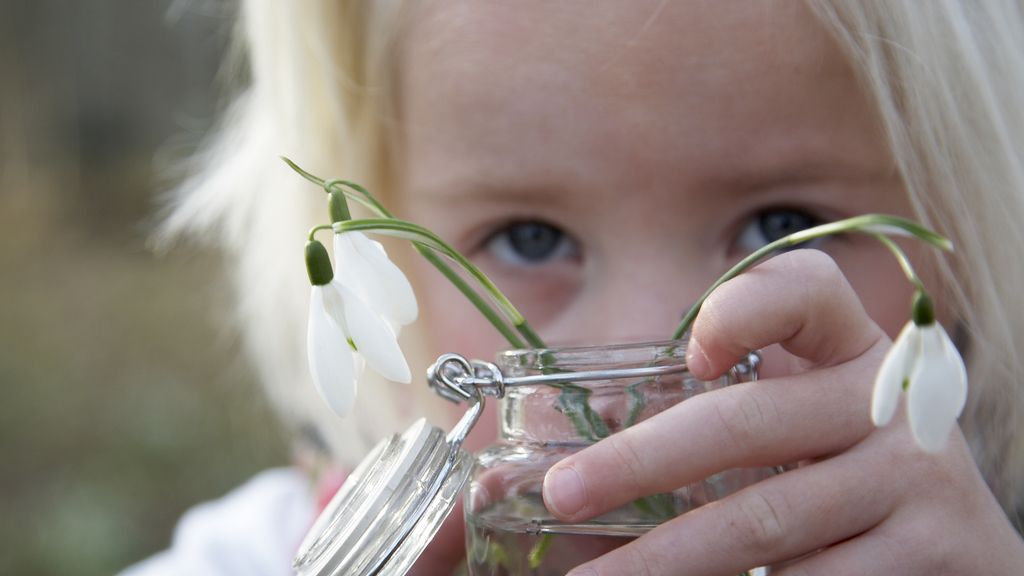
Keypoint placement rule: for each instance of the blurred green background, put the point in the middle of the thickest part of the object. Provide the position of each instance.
(124, 401)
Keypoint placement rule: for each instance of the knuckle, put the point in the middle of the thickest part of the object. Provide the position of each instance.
(758, 525)
(628, 458)
(745, 414)
(811, 265)
(815, 272)
(709, 324)
(640, 562)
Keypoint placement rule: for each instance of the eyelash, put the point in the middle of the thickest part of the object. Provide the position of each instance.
(507, 244)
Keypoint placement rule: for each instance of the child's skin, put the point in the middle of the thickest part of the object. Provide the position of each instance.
(657, 143)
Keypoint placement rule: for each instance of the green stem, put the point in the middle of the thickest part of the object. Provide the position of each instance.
(536, 555)
(364, 197)
(901, 258)
(315, 229)
(467, 291)
(873, 224)
(416, 233)
(470, 294)
(298, 169)
(361, 195)
(532, 337)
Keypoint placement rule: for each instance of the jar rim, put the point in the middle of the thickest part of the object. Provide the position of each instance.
(568, 356)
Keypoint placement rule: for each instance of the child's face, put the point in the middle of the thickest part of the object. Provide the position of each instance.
(604, 162)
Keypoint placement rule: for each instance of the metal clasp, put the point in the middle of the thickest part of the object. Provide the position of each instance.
(747, 371)
(455, 378)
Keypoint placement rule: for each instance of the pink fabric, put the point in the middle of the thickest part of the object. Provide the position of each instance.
(327, 486)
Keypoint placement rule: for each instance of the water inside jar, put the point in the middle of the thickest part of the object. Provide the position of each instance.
(502, 542)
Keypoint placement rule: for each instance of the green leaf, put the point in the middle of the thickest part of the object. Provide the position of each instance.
(539, 551)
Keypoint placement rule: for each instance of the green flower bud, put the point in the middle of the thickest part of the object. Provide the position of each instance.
(338, 207)
(318, 264)
(923, 309)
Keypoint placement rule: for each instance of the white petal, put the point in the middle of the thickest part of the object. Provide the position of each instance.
(953, 358)
(889, 381)
(330, 358)
(363, 267)
(401, 299)
(334, 304)
(360, 363)
(934, 398)
(351, 269)
(374, 339)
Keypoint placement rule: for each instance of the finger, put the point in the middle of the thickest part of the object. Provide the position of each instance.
(780, 518)
(761, 423)
(870, 553)
(799, 299)
(945, 521)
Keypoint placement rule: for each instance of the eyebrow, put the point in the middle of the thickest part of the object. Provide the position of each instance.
(798, 172)
(494, 191)
(734, 179)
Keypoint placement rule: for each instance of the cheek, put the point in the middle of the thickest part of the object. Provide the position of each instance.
(889, 308)
(883, 289)
(452, 323)
(874, 272)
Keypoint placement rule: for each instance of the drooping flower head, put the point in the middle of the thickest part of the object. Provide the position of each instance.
(924, 363)
(354, 317)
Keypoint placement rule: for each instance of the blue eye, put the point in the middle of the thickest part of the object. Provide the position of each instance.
(530, 243)
(769, 225)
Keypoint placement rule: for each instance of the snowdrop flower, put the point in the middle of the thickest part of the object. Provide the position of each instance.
(344, 331)
(924, 362)
(364, 268)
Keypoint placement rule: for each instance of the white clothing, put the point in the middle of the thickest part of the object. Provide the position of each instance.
(254, 530)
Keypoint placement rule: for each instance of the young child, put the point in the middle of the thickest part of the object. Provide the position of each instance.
(603, 163)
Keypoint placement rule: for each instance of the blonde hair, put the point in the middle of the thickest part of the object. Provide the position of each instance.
(945, 76)
(318, 80)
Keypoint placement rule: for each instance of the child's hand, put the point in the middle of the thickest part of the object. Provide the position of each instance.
(862, 501)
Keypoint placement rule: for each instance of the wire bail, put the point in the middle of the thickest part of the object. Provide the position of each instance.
(457, 379)
(454, 378)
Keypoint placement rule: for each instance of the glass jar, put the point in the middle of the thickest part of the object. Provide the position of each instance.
(555, 402)
(508, 529)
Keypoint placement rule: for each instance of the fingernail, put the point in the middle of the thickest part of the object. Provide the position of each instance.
(563, 491)
(696, 360)
(582, 572)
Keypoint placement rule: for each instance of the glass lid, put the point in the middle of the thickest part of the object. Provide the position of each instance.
(391, 506)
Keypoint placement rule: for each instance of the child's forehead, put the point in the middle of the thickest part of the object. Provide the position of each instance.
(619, 42)
(565, 90)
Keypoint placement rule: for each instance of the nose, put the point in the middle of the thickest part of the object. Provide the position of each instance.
(636, 297)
